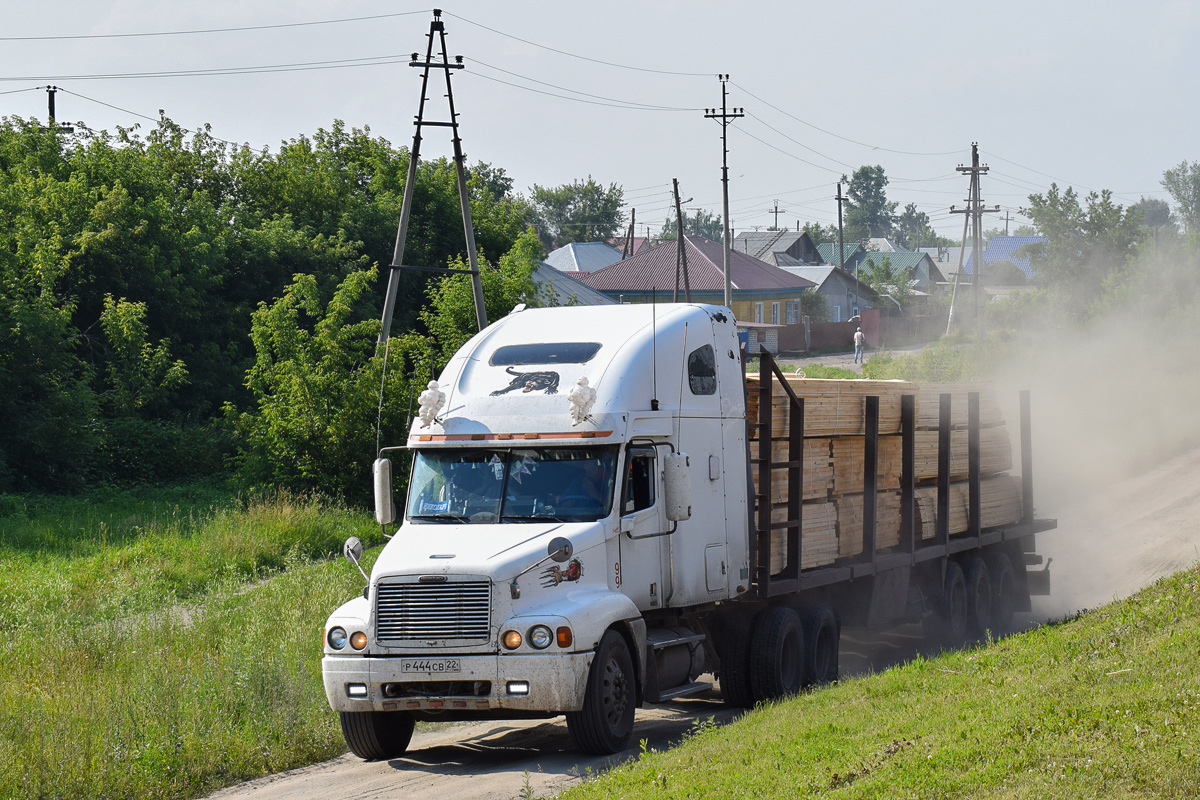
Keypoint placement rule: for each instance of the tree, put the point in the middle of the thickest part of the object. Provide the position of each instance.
(702, 223)
(912, 229)
(820, 234)
(582, 211)
(1155, 213)
(1183, 182)
(886, 279)
(870, 214)
(1084, 245)
(140, 375)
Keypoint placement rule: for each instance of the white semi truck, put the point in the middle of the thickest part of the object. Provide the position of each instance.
(581, 536)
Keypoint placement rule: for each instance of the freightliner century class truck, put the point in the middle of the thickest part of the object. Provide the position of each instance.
(582, 533)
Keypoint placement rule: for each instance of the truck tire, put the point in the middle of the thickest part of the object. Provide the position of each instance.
(948, 624)
(822, 636)
(377, 735)
(605, 723)
(979, 598)
(776, 654)
(734, 650)
(1004, 592)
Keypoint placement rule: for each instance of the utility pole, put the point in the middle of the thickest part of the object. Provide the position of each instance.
(1007, 219)
(438, 28)
(627, 250)
(725, 117)
(777, 211)
(976, 210)
(64, 127)
(680, 249)
(841, 198)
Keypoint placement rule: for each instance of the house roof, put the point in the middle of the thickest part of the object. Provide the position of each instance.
(822, 273)
(564, 288)
(880, 244)
(1003, 248)
(654, 268)
(762, 243)
(639, 243)
(583, 257)
(828, 252)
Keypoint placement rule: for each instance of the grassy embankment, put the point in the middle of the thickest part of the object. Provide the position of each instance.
(1104, 705)
(144, 653)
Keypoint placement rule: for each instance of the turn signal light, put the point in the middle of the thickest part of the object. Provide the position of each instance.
(511, 640)
(564, 636)
(358, 640)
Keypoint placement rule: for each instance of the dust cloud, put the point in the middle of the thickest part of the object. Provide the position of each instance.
(1116, 452)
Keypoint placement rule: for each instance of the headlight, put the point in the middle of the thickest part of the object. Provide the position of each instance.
(359, 640)
(511, 640)
(336, 637)
(540, 637)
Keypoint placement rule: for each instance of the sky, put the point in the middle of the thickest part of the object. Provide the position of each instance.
(1091, 95)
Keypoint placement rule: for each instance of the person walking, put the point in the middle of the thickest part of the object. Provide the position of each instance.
(859, 341)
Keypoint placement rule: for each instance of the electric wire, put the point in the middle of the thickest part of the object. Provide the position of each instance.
(647, 106)
(302, 66)
(617, 104)
(61, 37)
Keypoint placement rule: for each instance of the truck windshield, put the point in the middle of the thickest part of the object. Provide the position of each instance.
(535, 484)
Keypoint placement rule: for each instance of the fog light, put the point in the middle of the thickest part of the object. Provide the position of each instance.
(356, 689)
(359, 640)
(511, 640)
(564, 636)
(540, 637)
(336, 637)
(518, 688)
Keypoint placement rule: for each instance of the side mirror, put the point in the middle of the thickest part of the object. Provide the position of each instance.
(353, 550)
(678, 486)
(385, 509)
(560, 549)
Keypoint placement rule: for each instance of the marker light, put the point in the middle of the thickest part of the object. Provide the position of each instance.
(564, 636)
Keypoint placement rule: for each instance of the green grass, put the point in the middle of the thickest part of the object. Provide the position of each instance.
(1104, 705)
(144, 653)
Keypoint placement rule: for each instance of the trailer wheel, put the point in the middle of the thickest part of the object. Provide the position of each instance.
(1004, 591)
(949, 621)
(376, 735)
(822, 635)
(605, 724)
(979, 597)
(776, 654)
(734, 650)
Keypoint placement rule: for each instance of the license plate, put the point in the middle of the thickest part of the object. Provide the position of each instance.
(431, 665)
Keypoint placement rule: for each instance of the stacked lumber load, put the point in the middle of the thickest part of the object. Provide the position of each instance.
(817, 478)
(818, 535)
(833, 458)
(999, 504)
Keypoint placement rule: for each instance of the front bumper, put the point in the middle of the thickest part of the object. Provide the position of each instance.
(555, 682)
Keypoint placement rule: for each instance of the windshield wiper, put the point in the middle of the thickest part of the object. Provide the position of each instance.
(533, 517)
(440, 517)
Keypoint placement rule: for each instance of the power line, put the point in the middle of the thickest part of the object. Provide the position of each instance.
(649, 106)
(302, 66)
(575, 55)
(143, 116)
(17, 91)
(616, 104)
(836, 135)
(60, 37)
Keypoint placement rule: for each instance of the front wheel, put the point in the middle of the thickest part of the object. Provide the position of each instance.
(605, 724)
(377, 735)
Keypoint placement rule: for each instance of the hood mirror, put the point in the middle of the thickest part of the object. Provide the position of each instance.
(560, 549)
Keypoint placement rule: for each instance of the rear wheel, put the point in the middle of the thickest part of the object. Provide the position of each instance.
(1004, 591)
(605, 724)
(734, 650)
(821, 635)
(776, 654)
(376, 735)
(948, 624)
(979, 598)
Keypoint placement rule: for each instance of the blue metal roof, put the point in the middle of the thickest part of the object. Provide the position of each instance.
(1004, 248)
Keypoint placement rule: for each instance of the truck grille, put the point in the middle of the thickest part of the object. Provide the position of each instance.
(406, 611)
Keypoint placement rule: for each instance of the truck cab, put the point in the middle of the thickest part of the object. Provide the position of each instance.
(578, 481)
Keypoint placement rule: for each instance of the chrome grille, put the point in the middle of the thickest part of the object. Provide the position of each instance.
(406, 611)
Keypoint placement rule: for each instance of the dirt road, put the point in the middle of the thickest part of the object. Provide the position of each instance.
(1107, 546)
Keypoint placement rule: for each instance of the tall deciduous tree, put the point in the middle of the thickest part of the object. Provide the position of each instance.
(581, 211)
(1183, 182)
(869, 213)
(1085, 243)
(912, 229)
